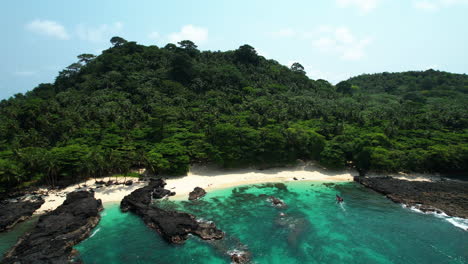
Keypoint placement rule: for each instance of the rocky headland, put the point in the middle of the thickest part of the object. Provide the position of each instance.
(450, 197)
(13, 211)
(55, 234)
(173, 226)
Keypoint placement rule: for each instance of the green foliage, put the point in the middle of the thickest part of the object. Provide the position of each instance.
(166, 108)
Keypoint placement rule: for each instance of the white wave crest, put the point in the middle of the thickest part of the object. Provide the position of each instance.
(95, 232)
(456, 221)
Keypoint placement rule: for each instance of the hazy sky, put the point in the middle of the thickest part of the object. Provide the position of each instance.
(333, 39)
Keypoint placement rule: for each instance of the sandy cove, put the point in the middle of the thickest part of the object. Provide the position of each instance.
(210, 178)
(205, 177)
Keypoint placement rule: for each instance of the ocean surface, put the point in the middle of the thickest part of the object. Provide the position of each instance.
(366, 228)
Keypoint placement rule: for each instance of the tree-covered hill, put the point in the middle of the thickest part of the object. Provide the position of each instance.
(165, 108)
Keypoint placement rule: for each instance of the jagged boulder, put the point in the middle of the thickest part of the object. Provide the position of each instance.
(196, 194)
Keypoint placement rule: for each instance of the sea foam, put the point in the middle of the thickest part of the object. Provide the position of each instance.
(456, 221)
(95, 232)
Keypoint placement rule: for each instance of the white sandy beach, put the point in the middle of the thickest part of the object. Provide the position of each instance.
(210, 178)
(199, 176)
(112, 193)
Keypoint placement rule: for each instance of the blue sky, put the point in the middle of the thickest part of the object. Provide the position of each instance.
(333, 39)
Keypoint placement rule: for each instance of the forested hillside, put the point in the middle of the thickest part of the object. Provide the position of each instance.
(166, 108)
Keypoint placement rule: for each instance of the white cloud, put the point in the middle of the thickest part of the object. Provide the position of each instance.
(364, 6)
(48, 28)
(341, 41)
(284, 33)
(196, 34)
(434, 5)
(154, 35)
(99, 33)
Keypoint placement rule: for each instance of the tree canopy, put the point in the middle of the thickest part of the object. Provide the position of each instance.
(165, 108)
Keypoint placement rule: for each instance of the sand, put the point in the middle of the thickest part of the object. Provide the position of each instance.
(112, 193)
(210, 178)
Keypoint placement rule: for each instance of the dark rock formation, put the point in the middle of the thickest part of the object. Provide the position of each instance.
(240, 257)
(129, 182)
(56, 232)
(12, 213)
(277, 202)
(173, 226)
(196, 194)
(451, 197)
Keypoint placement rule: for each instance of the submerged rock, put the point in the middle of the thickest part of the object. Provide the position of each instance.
(13, 212)
(240, 257)
(448, 196)
(173, 226)
(276, 202)
(55, 234)
(196, 194)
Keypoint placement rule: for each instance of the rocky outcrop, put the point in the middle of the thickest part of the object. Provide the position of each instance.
(56, 232)
(196, 194)
(240, 257)
(13, 212)
(276, 202)
(450, 197)
(173, 226)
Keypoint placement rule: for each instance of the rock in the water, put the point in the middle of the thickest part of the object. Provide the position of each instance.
(55, 234)
(240, 257)
(12, 213)
(129, 182)
(173, 226)
(277, 202)
(295, 179)
(448, 196)
(196, 194)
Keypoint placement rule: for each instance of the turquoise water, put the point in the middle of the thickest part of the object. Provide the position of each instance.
(366, 228)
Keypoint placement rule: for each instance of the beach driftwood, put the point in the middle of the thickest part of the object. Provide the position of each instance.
(450, 197)
(173, 226)
(55, 234)
(13, 212)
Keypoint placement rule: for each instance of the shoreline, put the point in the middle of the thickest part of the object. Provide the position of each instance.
(210, 178)
(205, 177)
